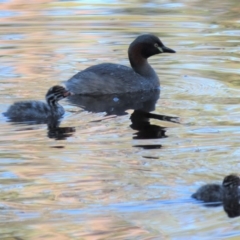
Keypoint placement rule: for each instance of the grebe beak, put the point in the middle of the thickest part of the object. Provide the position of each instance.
(67, 93)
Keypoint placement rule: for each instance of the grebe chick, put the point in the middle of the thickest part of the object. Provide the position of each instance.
(217, 192)
(37, 110)
(110, 78)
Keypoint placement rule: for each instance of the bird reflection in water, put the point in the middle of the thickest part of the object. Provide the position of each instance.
(60, 133)
(54, 130)
(141, 122)
(117, 104)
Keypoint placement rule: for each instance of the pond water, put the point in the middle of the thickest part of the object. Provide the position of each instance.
(99, 176)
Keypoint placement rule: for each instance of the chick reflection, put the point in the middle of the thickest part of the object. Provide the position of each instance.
(54, 131)
(141, 122)
(60, 133)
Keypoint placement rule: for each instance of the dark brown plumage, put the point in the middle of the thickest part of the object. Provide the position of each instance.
(110, 78)
(219, 192)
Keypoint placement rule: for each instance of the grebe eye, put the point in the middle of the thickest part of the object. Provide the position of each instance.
(156, 45)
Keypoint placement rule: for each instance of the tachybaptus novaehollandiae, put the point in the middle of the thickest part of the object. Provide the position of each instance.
(37, 110)
(217, 192)
(110, 78)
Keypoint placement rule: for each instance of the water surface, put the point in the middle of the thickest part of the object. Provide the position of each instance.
(98, 177)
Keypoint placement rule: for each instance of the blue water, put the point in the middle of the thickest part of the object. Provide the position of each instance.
(97, 176)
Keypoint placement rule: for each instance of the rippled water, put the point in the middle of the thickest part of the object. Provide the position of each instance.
(97, 176)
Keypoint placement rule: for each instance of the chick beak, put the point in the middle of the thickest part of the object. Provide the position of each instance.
(67, 94)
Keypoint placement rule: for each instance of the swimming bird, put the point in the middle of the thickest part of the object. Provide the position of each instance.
(111, 78)
(219, 193)
(37, 110)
